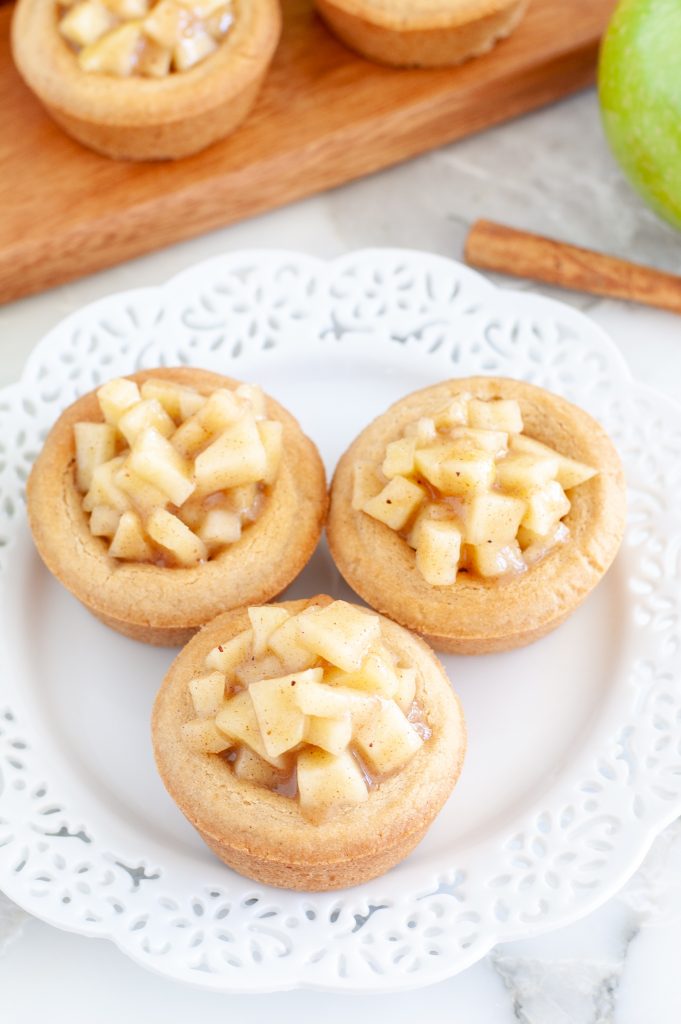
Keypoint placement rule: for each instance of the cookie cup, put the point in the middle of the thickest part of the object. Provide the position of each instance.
(436, 33)
(165, 606)
(142, 118)
(476, 615)
(262, 834)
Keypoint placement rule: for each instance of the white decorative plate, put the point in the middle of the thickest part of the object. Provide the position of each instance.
(575, 759)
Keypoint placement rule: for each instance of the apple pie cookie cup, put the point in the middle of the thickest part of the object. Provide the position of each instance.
(263, 834)
(477, 615)
(161, 604)
(136, 118)
(436, 34)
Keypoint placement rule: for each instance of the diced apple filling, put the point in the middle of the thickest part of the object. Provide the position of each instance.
(306, 724)
(149, 38)
(173, 476)
(469, 491)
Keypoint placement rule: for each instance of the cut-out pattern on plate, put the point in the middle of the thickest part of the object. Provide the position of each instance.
(556, 861)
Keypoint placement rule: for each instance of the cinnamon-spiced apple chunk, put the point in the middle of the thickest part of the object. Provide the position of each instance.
(170, 495)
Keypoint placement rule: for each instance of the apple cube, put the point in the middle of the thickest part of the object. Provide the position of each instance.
(285, 641)
(237, 719)
(399, 458)
(215, 414)
(254, 399)
(264, 621)
(315, 697)
(424, 432)
(375, 675)
(281, 722)
(340, 633)
(129, 542)
(203, 737)
(178, 400)
(327, 782)
(114, 53)
(496, 414)
(219, 528)
(86, 22)
(365, 484)
(495, 441)
(271, 434)
(386, 740)
(171, 534)
(166, 22)
(545, 508)
(191, 436)
(397, 502)
(244, 500)
(207, 694)
(236, 457)
(104, 521)
(455, 471)
(95, 445)
(332, 734)
(139, 417)
(522, 473)
(250, 767)
(570, 473)
(406, 689)
(220, 411)
(496, 559)
(156, 461)
(437, 552)
(268, 666)
(144, 496)
(453, 414)
(104, 490)
(116, 396)
(493, 517)
(193, 46)
(226, 657)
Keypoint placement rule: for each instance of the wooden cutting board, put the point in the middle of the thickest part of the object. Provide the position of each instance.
(325, 117)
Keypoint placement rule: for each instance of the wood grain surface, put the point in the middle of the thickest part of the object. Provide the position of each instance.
(325, 117)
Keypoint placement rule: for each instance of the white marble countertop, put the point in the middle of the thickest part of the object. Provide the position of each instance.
(548, 172)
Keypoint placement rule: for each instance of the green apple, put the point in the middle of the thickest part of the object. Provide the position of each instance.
(639, 86)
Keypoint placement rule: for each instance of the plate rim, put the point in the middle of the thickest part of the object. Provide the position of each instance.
(513, 297)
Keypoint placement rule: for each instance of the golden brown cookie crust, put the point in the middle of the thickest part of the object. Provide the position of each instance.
(478, 616)
(147, 119)
(263, 835)
(166, 606)
(430, 33)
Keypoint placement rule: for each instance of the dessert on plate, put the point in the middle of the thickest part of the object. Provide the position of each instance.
(146, 79)
(421, 33)
(478, 512)
(310, 743)
(170, 495)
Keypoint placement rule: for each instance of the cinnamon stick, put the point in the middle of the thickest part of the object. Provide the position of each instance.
(496, 247)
